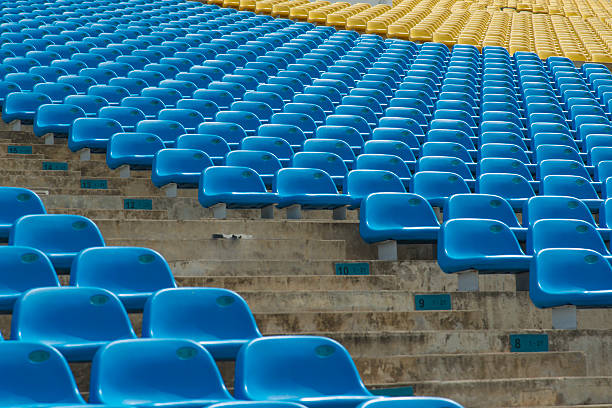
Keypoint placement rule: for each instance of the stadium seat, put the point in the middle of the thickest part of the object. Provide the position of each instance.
(230, 132)
(573, 186)
(132, 151)
(383, 219)
(178, 168)
(76, 321)
(121, 374)
(127, 117)
(89, 103)
(41, 231)
(358, 184)
(553, 282)
(331, 163)
(224, 187)
(304, 188)
(568, 233)
(515, 189)
(266, 164)
(279, 147)
(484, 206)
(40, 376)
(327, 372)
(91, 134)
(481, 244)
(22, 107)
(56, 119)
(167, 130)
(132, 274)
(218, 319)
(437, 186)
(23, 268)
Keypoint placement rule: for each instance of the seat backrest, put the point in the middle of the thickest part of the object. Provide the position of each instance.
(565, 233)
(329, 162)
(326, 369)
(450, 135)
(69, 315)
(16, 202)
(387, 162)
(361, 183)
(562, 167)
(573, 186)
(223, 179)
(292, 181)
(555, 207)
(346, 133)
(445, 163)
(503, 150)
(208, 314)
(53, 233)
(483, 206)
(121, 269)
(213, 145)
(167, 130)
(504, 165)
(39, 375)
(179, 371)
(261, 161)
(389, 210)
(506, 185)
(436, 184)
(23, 268)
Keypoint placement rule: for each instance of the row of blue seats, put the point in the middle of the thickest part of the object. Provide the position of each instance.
(181, 373)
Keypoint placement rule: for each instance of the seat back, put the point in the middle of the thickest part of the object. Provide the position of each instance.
(66, 315)
(361, 183)
(16, 202)
(483, 206)
(508, 186)
(39, 375)
(568, 233)
(438, 184)
(292, 181)
(180, 371)
(326, 369)
(573, 186)
(261, 161)
(223, 179)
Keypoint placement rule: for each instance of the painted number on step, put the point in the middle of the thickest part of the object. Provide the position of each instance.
(394, 392)
(528, 343)
(137, 204)
(20, 149)
(432, 302)
(351, 269)
(55, 166)
(94, 184)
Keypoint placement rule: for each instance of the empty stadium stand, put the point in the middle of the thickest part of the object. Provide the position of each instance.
(290, 204)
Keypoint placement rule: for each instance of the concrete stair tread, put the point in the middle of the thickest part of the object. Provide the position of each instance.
(545, 391)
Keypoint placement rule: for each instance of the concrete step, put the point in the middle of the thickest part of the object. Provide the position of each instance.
(368, 322)
(277, 249)
(115, 214)
(596, 344)
(525, 392)
(278, 228)
(485, 366)
(289, 283)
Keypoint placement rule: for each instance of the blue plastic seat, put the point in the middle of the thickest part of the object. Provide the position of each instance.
(279, 147)
(88, 103)
(515, 189)
(127, 117)
(247, 120)
(388, 162)
(182, 167)
(22, 106)
(16, 202)
(384, 216)
(482, 244)
(233, 187)
(329, 162)
(133, 149)
(112, 94)
(41, 231)
(327, 378)
(565, 233)
(303, 121)
(553, 280)
(572, 186)
(190, 119)
(56, 119)
(133, 85)
(308, 188)
(358, 184)
(132, 274)
(23, 268)
(447, 164)
(168, 96)
(122, 374)
(504, 165)
(229, 323)
(167, 130)
(437, 186)
(148, 105)
(150, 77)
(266, 164)
(76, 321)
(562, 167)
(92, 133)
(230, 132)
(484, 206)
(40, 376)
(214, 146)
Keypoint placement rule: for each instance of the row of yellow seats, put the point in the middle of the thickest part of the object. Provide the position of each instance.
(359, 21)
